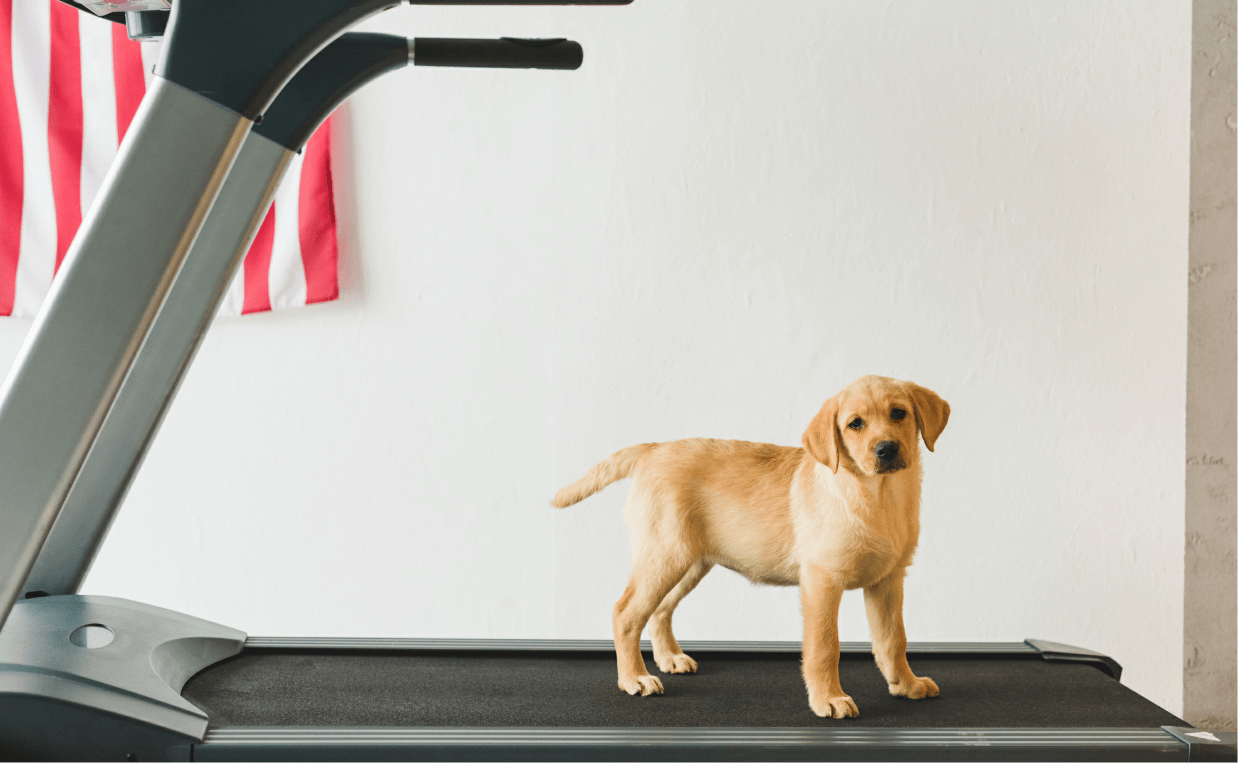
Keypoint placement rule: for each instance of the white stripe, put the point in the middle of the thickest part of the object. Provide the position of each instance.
(99, 139)
(31, 71)
(287, 275)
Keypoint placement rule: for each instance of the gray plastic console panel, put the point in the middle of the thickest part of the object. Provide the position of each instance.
(93, 677)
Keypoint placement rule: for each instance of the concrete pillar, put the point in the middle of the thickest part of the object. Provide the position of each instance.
(1210, 618)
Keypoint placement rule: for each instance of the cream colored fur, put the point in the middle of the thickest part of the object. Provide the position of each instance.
(830, 516)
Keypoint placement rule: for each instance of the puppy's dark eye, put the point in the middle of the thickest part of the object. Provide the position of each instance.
(898, 414)
(856, 423)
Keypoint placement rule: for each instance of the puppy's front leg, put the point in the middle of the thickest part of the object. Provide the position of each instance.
(820, 595)
(884, 603)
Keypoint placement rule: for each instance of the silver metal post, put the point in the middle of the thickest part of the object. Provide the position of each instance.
(161, 363)
(112, 282)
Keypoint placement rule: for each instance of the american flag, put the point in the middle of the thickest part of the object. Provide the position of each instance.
(70, 84)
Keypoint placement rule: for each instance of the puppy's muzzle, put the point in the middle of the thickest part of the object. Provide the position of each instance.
(888, 459)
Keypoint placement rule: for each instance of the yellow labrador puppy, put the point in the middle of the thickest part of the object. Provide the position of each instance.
(840, 513)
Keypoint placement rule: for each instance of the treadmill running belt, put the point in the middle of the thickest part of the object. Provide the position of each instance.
(575, 689)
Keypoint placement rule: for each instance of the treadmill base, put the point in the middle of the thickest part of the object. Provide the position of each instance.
(95, 678)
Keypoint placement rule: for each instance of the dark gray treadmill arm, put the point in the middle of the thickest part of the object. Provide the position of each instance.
(222, 65)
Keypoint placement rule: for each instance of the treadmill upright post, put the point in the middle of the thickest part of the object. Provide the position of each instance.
(101, 304)
(155, 375)
(222, 64)
(194, 298)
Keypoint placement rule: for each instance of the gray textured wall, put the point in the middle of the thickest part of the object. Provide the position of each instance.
(1210, 643)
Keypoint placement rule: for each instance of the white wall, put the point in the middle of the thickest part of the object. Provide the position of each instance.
(730, 211)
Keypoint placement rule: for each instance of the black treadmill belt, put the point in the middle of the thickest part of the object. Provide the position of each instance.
(574, 689)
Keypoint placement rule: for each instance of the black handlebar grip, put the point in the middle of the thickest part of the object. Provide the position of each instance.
(505, 53)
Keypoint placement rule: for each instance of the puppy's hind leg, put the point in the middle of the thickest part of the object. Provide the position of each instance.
(653, 576)
(666, 650)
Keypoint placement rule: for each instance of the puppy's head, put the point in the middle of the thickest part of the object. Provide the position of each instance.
(871, 426)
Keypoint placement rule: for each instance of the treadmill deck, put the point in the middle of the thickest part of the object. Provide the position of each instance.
(566, 689)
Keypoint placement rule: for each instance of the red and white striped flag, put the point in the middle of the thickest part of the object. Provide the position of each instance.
(70, 84)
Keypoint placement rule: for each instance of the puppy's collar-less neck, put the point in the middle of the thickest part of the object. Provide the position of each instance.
(867, 489)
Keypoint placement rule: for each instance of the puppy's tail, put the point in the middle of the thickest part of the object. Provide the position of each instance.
(613, 469)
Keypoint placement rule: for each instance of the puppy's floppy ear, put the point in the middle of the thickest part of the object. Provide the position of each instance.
(931, 411)
(821, 439)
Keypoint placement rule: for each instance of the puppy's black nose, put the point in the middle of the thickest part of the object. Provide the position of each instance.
(886, 450)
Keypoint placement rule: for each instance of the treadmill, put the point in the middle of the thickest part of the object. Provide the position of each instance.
(239, 89)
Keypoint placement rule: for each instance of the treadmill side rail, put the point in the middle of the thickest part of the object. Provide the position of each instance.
(93, 677)
(612, 744)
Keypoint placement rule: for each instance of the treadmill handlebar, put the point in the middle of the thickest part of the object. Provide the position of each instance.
(326, 80)
(241, 58)
(356, 58)
(504, 53)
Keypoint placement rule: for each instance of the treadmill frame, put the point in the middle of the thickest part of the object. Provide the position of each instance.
(40, 460)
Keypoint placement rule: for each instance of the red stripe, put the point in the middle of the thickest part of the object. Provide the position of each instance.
(64, 124)
(258, 267)
(316, 220)
(130, 81)
(12, 169)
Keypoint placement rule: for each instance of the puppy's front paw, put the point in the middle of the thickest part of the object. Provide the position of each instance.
(916, 688)
(676, 663)
(840, 706)
(642, 685)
